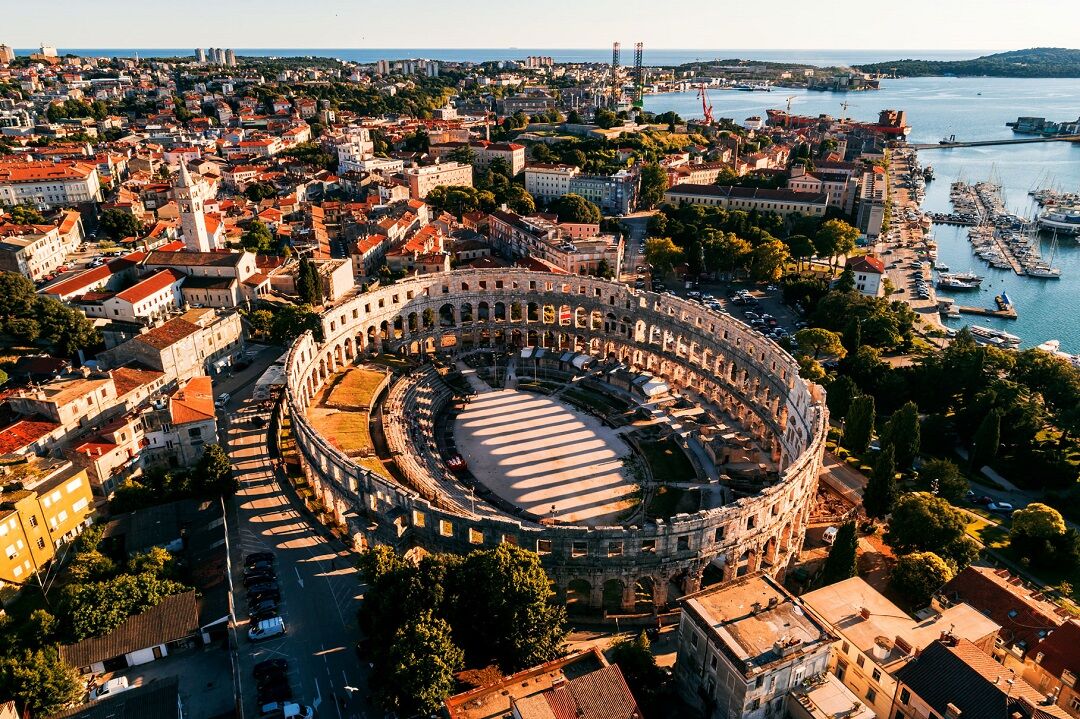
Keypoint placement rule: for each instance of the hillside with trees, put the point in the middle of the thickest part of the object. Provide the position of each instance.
(1033, 62)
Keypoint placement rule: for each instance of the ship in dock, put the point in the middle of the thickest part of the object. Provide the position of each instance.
(958, 281)
(994, 338)
(1063, 220)
(891, 123)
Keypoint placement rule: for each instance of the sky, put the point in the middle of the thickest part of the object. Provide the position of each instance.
(713, 24)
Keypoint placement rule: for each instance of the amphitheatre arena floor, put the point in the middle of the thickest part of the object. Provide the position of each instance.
(534, 451)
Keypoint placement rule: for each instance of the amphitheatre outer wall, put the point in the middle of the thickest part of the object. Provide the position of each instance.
(620, 569)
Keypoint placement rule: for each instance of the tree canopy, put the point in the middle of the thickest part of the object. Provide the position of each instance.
(575, 208)
(921, 522)
(919, 575)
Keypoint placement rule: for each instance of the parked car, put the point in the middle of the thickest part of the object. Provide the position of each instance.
(110, 688)
(259, 568)
(259, 557)
(275, 691)
(264, 594)
(267, 629)
(269, 668)
(1000, 507)
(222, 399)
(261, 588)
(286, 710)
(255, 578)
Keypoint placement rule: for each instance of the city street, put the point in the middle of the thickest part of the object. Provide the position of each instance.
(319, 587)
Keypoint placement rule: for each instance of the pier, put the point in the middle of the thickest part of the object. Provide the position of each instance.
(985, 143)
(1009, 313)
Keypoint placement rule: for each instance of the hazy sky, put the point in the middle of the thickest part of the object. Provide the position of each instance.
(713, 24)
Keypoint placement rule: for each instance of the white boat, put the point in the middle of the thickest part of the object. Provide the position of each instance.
(1065, 220)
(941, 267)
(1054, 348)
(952, 282)
(994, 338)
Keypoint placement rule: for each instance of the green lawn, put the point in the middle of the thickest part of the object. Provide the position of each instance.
(355, 389)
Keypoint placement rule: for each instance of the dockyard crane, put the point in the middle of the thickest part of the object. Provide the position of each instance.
(845, 105)
(787, 122)
(706, 108)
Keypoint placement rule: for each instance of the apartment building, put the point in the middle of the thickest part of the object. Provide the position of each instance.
(782, 202)
(34, 254)
(744, 645)
(423, 180)
(569, 248)
(48, 184)
(546, 182)
(213, 279)
(1053, 665)
(953, 678)
(870, 207)
(52, 507)
(869, 274)
(613, 194)
(200, 341)
(148, 301)
(484, 153)
(876, 638)
(841, 187)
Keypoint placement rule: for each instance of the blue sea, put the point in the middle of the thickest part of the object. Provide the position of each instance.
(650, 56)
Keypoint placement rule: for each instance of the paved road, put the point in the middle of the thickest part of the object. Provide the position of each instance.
(319, 587)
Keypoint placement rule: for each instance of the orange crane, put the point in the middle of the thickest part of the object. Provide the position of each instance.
(706, 108)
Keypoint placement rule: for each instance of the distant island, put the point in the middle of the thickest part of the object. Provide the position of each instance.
(1033, 62)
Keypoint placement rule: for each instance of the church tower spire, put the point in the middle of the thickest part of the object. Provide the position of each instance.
(192, 221)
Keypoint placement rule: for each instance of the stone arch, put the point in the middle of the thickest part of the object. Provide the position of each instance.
(500, 312)
(644, 595)
(483, 312)
(613, 595)
(532, 313)
(447, 316)
(578, 595)
(466, 313)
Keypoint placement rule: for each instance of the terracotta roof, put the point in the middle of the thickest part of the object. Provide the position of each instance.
(44, 171)
(866, 263)
(1060, 650)
(185, 258)
(168, 334)
(961, 674)
(175, 618)
(127, 379)
(1025, 617)
(150, 286)
(603, 694)
(24, 432)
(194, 402)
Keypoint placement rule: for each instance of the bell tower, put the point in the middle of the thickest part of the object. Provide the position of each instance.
(189, 198)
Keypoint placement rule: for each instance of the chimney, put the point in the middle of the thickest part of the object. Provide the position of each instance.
(952, 712)
(864, 612)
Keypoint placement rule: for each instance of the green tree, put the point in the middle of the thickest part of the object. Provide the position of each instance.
(423, 660)
(463, 154)
(308, 283)
(767, 260)
(853, 335)
(722, 251)
(504, 609)
(606, 119)
(846, 281)
(155, 561)
(859, 424)
(801, 248)
(881, 492)
(919, 575)
(902, 432)
(258, 238)
(26, 215)
(942, 477)
(817, 342)
(835, 237)
(118, 224)
(17, 296)
(987, 439)
(662, 254)
(40, 628)
(64, 328)
(96, 608)
(1038, 521)
(213, 475)
(258, 191)
(39, 681)
(634, 657)
(260, 321)
(921, 522)
(653, 183)
(575, 208)
(841, 391)
(841, 562)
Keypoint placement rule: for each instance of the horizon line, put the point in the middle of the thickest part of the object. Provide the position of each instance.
(688, 49)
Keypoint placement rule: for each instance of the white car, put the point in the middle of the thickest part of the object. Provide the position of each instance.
(109, 688)
(286, 710)
(222, 399)
(267, 629)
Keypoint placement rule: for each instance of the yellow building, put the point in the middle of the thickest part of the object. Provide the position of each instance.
(50, 505)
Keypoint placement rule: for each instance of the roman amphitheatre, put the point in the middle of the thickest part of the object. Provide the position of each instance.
(636, 442)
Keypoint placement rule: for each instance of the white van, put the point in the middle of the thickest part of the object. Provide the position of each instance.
(829, 535)
(267, 628)
(109, 688)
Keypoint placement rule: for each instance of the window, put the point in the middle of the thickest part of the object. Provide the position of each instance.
(615, 549)
(758, 682)
(693, 640)
(580, 548)
(876, 674)
(871, 696)
(905, 696)
(648, 546)
(683, 543)
(845, 647)
(861, 661)
(33, 520)
(718, 535)
(543, 546)
(41, 543)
